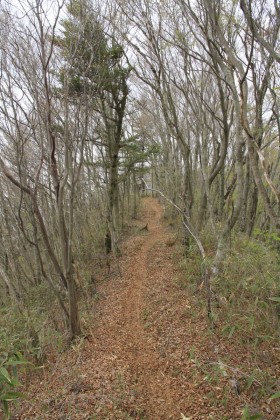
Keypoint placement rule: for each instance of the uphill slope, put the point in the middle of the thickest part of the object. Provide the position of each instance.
(150, 354)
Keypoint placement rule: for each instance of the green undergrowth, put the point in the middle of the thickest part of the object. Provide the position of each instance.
(28, 332)
(248, 292)
(9, 381)
(246, 295)
(31, 326)
(246, 310)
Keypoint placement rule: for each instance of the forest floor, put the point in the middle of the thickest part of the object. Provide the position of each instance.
(150, 353)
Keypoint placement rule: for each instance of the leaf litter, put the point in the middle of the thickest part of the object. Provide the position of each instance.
(150, 354)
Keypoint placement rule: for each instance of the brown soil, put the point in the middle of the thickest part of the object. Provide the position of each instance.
(150, 354)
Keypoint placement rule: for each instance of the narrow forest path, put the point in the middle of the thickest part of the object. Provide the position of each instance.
(123, 330)
(148, 349)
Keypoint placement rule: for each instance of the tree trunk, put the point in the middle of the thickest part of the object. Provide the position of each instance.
(75, 328)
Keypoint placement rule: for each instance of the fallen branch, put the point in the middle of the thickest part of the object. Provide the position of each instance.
(191, 229)
(186, 221)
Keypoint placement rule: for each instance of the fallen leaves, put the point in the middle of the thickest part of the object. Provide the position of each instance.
(150, 355)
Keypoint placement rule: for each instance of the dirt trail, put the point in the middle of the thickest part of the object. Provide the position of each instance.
(148, 350)
(136, 345)
(123, 330)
